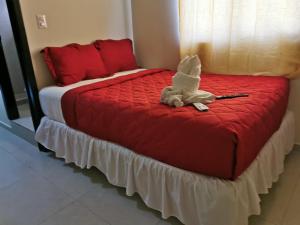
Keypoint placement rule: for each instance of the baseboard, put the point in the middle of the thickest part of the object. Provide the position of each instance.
(20, 131)
(5, 125)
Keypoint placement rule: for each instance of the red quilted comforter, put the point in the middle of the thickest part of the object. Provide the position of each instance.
(221, 142)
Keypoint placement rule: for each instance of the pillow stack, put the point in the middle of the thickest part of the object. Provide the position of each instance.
(74, 62)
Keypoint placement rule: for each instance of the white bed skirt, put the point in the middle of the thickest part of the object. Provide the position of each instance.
(193, 198)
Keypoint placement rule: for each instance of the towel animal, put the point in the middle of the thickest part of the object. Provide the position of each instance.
(185, 85)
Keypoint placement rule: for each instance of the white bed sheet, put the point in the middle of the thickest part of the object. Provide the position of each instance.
(50, 97)
(193, 198)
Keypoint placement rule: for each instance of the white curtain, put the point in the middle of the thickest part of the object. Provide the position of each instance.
(242, 36)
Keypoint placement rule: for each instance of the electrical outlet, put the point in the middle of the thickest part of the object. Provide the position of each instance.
(41, 21)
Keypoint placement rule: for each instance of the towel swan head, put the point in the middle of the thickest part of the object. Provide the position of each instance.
(187, 78)
(190, 65)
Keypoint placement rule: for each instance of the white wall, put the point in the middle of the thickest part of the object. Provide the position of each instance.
(156, 32)
(70, 21)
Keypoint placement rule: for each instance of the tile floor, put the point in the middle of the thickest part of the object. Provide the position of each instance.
(37, 189)
(25, 119)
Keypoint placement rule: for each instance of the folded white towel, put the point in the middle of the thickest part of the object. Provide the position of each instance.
(185, 85)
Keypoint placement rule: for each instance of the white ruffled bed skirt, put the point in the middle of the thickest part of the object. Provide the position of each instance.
(193, 198)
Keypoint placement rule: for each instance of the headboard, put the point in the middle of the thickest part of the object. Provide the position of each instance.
(72, 21)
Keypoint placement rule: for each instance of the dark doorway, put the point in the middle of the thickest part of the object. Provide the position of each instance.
(14, 96)
(6, 88)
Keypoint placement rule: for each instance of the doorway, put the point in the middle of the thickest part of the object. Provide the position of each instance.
(15, 96)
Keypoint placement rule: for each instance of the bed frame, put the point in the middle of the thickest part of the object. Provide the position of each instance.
(24, 55)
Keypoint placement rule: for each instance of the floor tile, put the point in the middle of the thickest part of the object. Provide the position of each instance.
(292, 162)
(170, 221)
(275, 203)
(13, 143)
(30, 201)
(39, 188)
(72, 180)
(111, 204)
(74, 214)
(292, 215)
(11, 170)
(256, 220)
(25, 152)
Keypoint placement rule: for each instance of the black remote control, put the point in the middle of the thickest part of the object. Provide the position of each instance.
(232, 96)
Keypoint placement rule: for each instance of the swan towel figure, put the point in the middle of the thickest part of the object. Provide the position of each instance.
(185, 85)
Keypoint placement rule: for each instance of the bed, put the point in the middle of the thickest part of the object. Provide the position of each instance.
(217, 183)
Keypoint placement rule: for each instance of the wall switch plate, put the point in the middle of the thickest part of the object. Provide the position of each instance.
(41, 21)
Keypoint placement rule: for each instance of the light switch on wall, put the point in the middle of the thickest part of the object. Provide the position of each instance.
(41, 21)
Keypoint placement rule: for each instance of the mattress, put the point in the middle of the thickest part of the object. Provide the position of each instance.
(50, 97)
(222, 142)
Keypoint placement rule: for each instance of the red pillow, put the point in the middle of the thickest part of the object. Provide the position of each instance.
(73, 63)
(117, 54)
(92, 62)
(64, 64)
